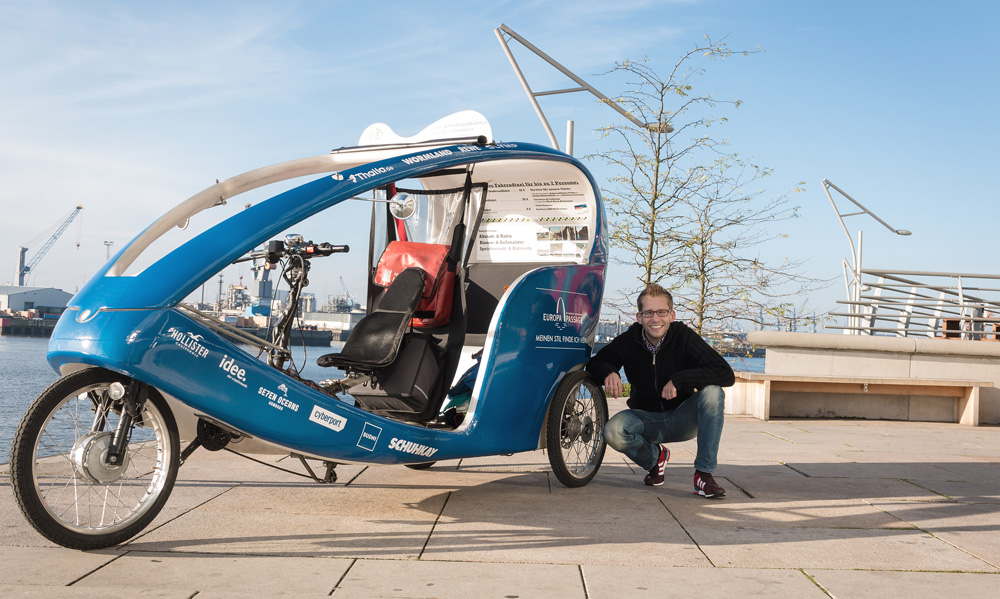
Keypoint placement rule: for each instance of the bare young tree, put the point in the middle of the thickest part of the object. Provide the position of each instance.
(678, 209)
(715, 275)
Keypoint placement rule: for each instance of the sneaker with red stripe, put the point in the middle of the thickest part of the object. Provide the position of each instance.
(705, 485)
(655, 476)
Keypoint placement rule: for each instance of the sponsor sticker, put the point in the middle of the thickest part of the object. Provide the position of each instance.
(562, 317)
(378, 170)
(276, 401)
(189, 342)
(327, 418)
(233, 371)
(369, 436)
(410, 447)
(427, 156)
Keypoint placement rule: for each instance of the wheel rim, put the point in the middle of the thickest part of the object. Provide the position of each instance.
(581, 435)
(73, 486)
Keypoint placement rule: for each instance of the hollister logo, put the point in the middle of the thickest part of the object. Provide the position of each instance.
(369, 436)
(411, 447)
(233, 371)
(327, 418)
(190, 343)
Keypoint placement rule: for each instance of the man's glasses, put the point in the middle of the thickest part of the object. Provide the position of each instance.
(660, 313)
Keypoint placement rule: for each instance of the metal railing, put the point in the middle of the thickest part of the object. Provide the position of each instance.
(925, 304)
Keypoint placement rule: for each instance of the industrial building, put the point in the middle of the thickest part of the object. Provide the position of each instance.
(42, 299)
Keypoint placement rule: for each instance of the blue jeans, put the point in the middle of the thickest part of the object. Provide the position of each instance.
(638, 433)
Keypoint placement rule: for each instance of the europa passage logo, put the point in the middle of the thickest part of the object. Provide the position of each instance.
(566, 324)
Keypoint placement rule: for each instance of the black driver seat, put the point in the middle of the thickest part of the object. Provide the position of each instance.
(376, 338)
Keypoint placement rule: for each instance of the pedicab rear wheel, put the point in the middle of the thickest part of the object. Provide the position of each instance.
(575, 429)
(62, 482)
(422, 466)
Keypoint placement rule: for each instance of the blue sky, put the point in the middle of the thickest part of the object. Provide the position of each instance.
(128, 108)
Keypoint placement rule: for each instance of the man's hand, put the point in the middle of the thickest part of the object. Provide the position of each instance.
(669, 391)
(613, 385)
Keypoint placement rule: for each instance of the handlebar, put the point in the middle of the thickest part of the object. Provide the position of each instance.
(279, 249)
(325, 249)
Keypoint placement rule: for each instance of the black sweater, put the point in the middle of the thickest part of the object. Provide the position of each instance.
(683, 358)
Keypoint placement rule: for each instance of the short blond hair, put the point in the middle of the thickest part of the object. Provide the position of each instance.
(654, 290)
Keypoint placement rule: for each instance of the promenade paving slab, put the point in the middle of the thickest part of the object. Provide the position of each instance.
(55, 566)
(613, 582)
(849, 508)
(247, 576)
(14, 529)
(793, 513)
(345, 523)
(975, 528)
(564, 526)
(905, 585)
(878, 549)
(532, 461)
(459, 580)
(781, 487)
(880, 470)
(49, 592)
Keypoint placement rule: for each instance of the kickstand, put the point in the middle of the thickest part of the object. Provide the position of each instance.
(331, 473)
(188, 451)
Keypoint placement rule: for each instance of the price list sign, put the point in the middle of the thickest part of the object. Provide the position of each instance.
(535, 221)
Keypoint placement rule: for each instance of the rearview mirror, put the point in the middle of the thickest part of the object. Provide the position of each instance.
(402, 206)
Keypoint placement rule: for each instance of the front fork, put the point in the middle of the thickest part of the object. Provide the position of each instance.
(132, 397)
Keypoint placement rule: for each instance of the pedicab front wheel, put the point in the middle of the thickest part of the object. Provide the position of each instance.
(59, 466)
(575, 429)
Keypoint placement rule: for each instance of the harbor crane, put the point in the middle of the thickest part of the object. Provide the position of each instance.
(347, 294)
(24, 269)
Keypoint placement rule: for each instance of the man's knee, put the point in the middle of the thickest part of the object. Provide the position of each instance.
(712, 397)
(616, 431)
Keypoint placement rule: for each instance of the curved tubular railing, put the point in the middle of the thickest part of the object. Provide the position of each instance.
(926, 304)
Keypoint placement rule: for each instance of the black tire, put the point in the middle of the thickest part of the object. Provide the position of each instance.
(574, 433)
(104, 506)
(423, 466)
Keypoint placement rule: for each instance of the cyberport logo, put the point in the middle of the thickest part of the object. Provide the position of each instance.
(369, 436)
(189, 342)
(328, 419)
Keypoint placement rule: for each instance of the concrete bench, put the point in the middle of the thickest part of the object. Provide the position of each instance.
(753, 393)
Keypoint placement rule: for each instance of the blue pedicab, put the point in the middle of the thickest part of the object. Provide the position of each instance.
(485, 271)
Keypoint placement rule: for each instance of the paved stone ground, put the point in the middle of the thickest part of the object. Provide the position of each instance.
(816, 508)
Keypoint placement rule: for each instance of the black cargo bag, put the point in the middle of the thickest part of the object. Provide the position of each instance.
(407, 384)
(414, 371)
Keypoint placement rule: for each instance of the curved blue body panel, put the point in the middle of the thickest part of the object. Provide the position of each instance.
(543, 327)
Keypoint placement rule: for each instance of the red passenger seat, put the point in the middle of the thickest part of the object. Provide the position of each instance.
(434, 309)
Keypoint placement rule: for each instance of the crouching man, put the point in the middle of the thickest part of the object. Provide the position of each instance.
(676, 394)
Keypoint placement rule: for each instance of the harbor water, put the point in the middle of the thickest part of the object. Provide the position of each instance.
(24, 373)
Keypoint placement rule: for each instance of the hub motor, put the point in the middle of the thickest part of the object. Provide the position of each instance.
(89, 457)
